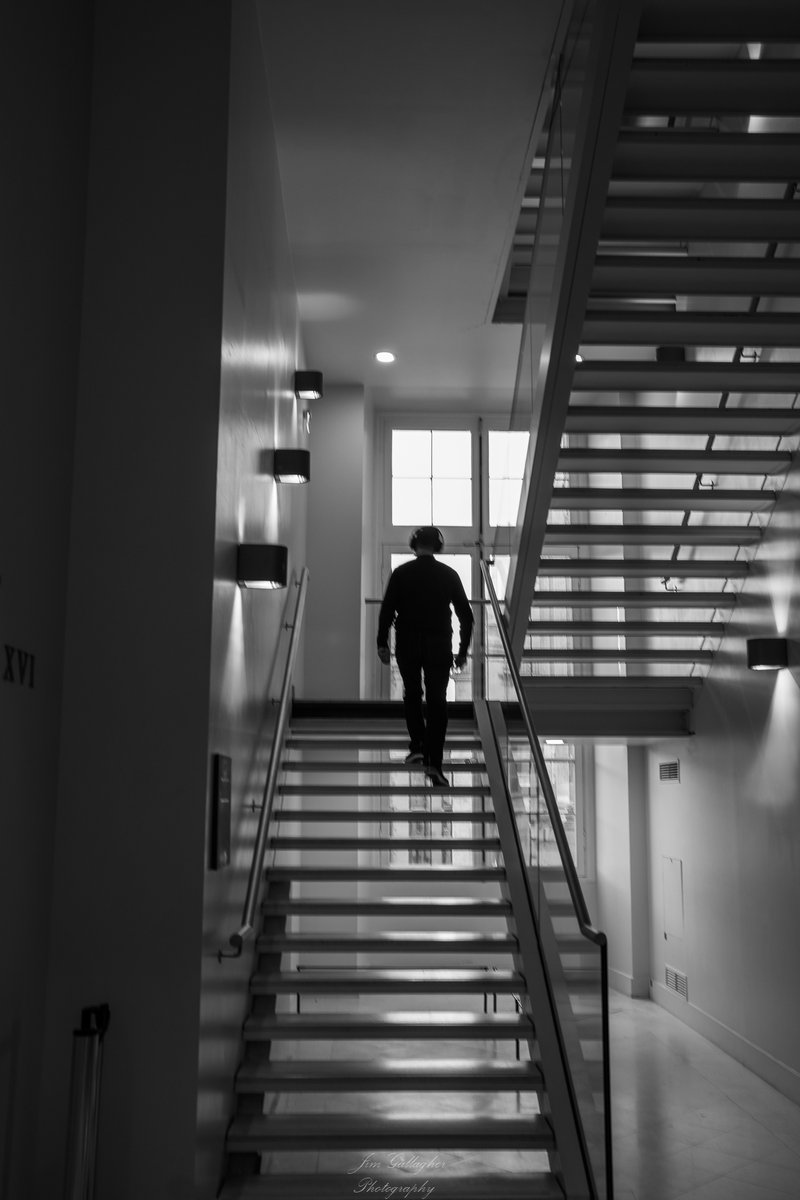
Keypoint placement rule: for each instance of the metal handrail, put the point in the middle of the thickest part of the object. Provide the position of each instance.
(257, 865)
(571, 875)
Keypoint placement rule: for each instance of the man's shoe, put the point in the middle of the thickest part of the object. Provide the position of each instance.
(415, 757)
(437, 777)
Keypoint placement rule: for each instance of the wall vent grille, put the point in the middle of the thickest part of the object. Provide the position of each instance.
(669, 772)
(677, 982)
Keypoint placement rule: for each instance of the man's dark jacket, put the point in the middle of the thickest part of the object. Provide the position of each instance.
(418, 598)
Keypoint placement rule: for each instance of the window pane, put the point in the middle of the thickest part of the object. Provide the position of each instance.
(462, 565)
(411, 502)
(411, 453)
(452, 454)
(498, 571)
(452, 501)
(504, 501)
(507, 451)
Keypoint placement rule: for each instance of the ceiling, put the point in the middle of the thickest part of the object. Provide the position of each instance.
(402, 135)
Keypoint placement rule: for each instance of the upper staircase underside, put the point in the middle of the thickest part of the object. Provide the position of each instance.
(666, 444)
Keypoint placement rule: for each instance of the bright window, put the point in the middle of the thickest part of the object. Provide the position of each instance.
(431, 477)
(507, 452)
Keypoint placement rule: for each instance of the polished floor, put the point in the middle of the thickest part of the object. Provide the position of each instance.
(689, 1122)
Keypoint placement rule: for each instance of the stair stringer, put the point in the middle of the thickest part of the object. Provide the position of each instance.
(573, 1164)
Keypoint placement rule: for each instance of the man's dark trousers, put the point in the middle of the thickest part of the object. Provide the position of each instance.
(431, 656)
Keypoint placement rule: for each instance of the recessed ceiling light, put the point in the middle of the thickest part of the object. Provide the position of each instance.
(385, 356)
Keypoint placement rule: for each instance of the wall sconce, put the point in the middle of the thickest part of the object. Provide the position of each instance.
(767, 654)
(308, 385)
(292, 466)
(260, 566)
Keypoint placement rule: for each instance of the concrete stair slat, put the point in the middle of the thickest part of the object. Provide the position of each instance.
(388, 1074)
(338, 1131)
(388, 980)
(388, 942)
(387, 1026)
(334, 844)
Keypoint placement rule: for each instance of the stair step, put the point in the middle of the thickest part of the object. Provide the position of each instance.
(478, 844)
(388, 1074)
(534, 1185)
(382, 789)
(380, 767)
(380, 815)
(385, 980)
(388, 942)
(439, 874)
(388, 1026)
(393, 906)
(346, 738)
(338, 1131)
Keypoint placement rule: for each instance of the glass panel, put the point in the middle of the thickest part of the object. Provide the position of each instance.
(507, 451)
(452, 454)
(411, 502)
(452, 501)
(411, 453)
(499, 573)
(400, 558)
(541, 787)
(504, 501)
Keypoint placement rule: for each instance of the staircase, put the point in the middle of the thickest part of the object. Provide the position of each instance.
(390, 1042)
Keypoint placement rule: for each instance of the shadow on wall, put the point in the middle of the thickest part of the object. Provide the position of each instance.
(225, 984)
(9, 1062)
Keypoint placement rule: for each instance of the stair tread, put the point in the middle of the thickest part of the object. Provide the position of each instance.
(383, 766)
(503, 1185)
(390, 940)
(342, 1131)
(439, 874)
(372, 979)
(390, 1072)
(389, 907)
(379, 815)
(312, 842)
(382, 789)
(413, 1025)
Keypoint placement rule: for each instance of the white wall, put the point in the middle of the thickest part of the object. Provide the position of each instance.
(258, 412)
(734, 822)
(129, 854)
(45, 60)
(620, 843)
(612, 842)
(335, 518)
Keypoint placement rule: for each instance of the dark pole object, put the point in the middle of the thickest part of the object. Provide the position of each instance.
(84, 1102)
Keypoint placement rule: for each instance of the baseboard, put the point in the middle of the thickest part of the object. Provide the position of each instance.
(629, 985)
(776, 1073)
(620, 982)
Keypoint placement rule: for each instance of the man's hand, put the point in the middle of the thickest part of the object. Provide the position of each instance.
(459, 662)
(383, 655)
